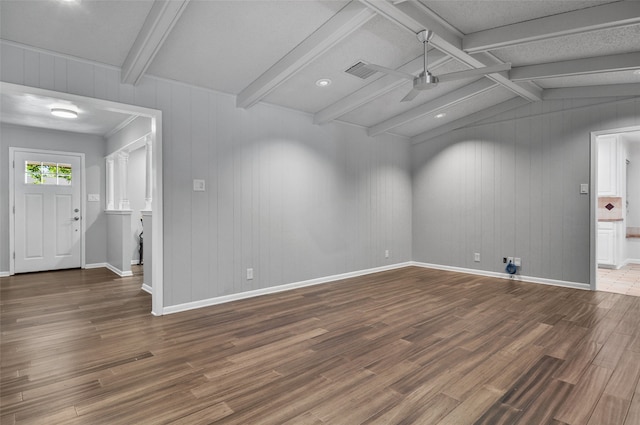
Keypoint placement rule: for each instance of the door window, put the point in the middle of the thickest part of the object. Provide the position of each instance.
(47, 173)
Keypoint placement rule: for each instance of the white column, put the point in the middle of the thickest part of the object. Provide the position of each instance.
(148, 192)
(123, 179)
(110, 183)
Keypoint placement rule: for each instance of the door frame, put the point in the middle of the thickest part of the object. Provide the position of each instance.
(12, 201)
(593, 200)
(157, 244)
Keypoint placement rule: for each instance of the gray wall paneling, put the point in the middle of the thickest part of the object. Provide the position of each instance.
(516, 178)
(290, 199)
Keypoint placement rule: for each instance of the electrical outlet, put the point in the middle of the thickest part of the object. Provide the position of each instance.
(386, 253)
(249, 274)
(517, 261)
(476, 257)
(509, 260)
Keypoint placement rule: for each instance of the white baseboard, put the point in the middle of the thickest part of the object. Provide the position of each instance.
(146, 288)
(626, 262)
(134, 262)
(118, 271)
(5, 274)
(517, 277)
(274, 289)
(95, 265)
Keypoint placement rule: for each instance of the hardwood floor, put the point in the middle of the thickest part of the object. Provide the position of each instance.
(410, 346)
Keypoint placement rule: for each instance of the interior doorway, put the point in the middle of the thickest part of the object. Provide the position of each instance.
(615, 210)
(92, 104)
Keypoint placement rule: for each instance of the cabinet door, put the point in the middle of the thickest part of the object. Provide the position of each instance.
(607, 166)
(606, 246)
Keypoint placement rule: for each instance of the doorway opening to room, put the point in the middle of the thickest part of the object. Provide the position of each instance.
(64, 172)
(615, 214)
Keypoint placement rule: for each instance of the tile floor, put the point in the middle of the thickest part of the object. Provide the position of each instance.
(622, 281)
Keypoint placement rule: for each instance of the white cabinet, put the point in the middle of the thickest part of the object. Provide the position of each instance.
(606, 244)
(608, 166)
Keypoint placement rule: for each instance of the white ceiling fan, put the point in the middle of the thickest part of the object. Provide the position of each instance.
(425, 80)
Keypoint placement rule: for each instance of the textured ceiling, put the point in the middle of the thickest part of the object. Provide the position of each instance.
(237, 46)
(225, 45)
(597, 43)
(35, 111)
(101, 31)
(477, 15)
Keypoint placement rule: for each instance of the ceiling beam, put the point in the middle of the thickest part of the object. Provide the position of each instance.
(160, 21)
(610, 63)
(484, 114)
(445, 101)
(415, 17)
(343, 23)
(376, 89)
(608, 90)
(580, 21)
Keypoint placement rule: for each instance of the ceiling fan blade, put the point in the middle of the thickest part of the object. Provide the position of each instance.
(389, 71)
(411, 95)
(474, 72)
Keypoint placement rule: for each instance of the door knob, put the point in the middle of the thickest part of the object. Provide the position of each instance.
(76, 218)
(76, 210)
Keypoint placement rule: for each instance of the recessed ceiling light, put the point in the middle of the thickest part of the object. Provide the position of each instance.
(323, 82)
(440, 115)
(64, 113)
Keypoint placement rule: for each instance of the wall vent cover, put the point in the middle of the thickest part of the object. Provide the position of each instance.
(360, 70)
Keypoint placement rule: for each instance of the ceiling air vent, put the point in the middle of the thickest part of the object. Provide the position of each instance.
(360, 70)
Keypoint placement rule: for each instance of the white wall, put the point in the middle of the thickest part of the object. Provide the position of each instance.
(136, 129)
(136, 192)
(510, 187)
(93, 148)
(291, 199)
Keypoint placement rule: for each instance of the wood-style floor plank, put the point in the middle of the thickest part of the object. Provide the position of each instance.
(408, 346)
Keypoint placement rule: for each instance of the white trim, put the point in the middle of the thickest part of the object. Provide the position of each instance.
(593, 200)
(519, 278)
(118, 271)
(95, 266)
(134, 262)
(12, 203)
(146, 288)
(156, 170)
(280, 288)
(630, 261)
(5, 274)
(118, 212)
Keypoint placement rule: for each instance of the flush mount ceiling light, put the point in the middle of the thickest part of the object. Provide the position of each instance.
(64, 113)
(440, 115)
(323, 82)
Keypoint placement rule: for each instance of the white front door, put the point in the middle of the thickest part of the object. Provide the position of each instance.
(47, 191)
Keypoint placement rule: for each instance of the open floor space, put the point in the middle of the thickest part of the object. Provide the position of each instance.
(408, 346)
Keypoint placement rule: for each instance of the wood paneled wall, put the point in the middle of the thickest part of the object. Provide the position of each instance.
(510, 186)
(292, 200)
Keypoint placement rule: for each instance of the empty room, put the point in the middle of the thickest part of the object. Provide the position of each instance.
(311, 212)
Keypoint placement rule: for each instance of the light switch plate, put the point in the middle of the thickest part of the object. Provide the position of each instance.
(584, 188)
(93, 197)
(198, 185)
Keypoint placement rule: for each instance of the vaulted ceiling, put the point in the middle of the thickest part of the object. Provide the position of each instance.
(274, 51)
